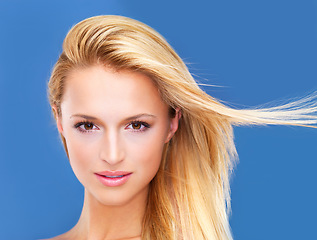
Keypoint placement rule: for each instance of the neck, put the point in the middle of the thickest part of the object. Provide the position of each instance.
(98, 221)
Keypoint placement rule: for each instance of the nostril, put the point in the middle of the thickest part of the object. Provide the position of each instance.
(111, 154)
(111, 147)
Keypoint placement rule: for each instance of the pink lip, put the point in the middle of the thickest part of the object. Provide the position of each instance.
(113, 178)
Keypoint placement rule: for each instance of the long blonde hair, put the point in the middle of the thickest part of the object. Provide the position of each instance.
(189, 197)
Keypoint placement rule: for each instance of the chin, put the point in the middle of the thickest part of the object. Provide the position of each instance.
(114, 202)
(117, 198)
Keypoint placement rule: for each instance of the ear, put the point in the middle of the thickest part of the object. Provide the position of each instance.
(58, 119)
(173, 124)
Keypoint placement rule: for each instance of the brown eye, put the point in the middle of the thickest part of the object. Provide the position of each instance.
(136, 125)
(88, 126)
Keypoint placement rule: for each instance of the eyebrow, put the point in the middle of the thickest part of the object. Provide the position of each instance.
(140, 115)
(83, 116)
(127, 119)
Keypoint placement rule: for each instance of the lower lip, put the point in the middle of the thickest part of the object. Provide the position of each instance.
(113, 182)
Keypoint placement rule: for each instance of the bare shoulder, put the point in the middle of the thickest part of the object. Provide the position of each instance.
(59, 237)
(134, 238)
(53, 238)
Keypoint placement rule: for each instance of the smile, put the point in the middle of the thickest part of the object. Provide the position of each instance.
(114, 176)
(113, 179)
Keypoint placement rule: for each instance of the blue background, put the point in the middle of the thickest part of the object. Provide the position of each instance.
(257, 51)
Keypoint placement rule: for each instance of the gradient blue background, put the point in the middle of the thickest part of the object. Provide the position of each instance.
(258, 51)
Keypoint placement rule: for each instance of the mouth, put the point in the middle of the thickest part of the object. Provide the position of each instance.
(119, 176)
(113, 179)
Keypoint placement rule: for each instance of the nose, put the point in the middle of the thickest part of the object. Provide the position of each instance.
(111, 149)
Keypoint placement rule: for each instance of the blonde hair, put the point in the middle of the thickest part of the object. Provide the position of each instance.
(189, 197)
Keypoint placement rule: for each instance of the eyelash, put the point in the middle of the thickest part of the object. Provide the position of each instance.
(145, 126)
(79, 125)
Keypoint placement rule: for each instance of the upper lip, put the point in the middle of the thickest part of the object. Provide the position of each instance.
(113, 173)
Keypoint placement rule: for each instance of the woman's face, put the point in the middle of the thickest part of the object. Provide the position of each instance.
(115, 126)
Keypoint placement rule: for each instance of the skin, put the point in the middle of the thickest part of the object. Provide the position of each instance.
(113, 121)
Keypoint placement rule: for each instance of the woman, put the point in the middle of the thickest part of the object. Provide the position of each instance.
(153, 151)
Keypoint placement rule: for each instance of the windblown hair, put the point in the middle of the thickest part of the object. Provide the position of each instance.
(189, 198)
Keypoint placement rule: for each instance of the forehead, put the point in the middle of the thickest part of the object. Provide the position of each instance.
(95, 89)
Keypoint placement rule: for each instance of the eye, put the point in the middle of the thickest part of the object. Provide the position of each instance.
(85, 126)
(138, 126)
(88, 126)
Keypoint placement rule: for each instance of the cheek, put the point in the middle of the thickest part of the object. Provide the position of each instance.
(80, 156)
(147, 155)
